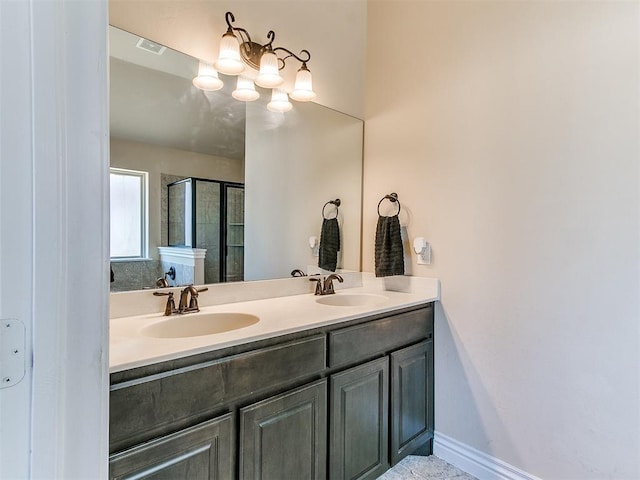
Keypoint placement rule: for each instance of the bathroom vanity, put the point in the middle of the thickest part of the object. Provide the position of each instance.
(339, 399)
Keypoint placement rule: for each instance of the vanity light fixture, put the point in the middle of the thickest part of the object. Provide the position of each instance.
(207, 78)
(238, 50)
(245, 90)
(229, 61)
(303, 89)
(279, 101)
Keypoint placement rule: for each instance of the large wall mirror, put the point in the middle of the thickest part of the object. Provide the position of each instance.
(258, 179)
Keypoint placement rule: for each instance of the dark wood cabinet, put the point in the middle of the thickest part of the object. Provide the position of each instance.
(158, 404)
(286, 436)
(411, 399)
(359, 432)
(358, 343)
(205, 451)
(341, 402)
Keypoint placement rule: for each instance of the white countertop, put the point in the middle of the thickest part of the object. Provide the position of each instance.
(130, 348)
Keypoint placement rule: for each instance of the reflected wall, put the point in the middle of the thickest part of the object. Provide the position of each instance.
(294, 164)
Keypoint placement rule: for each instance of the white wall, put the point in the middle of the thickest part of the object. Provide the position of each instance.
(313, 156)
(158, 160)
(54, 236)
(510, 132)
(332, 30)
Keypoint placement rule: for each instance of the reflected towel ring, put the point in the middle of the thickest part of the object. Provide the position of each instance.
(335, 202)
(393, 198)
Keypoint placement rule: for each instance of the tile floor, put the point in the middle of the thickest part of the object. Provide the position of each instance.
(425, 468)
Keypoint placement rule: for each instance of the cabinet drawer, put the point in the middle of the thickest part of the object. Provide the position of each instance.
(145, 408)
(205, 451)
(357, 343)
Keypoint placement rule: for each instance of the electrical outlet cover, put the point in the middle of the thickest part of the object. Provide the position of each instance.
(424, 258)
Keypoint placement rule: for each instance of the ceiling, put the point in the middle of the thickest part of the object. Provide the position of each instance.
(152, 100)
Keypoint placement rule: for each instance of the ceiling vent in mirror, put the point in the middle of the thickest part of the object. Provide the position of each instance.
(238, 51)
(149, 46)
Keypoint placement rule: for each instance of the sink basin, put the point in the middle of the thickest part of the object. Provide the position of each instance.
(198, 324)
(351, 299)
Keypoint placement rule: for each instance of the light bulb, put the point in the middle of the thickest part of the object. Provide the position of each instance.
(303, 89)
(269, 76)
(229, 61)
(279, 101)
(207, 78)
(245, 90)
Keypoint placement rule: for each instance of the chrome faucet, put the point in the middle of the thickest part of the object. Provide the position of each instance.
(324, 286)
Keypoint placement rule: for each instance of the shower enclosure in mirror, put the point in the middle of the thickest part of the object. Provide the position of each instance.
(209, 215)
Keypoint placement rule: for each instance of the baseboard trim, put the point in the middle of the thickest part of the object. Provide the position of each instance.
(475, 462)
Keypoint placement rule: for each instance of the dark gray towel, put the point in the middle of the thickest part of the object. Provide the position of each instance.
(389, 254)
(329, 244)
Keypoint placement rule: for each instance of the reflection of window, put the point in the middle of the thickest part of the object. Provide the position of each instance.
(128, 214)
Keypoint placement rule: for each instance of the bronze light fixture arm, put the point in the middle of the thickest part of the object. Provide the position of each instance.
(245, 38)
(229, 18)
(252, 51)
(304, 57)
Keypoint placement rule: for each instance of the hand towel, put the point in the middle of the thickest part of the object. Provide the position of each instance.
(329, 244)
(389, 254)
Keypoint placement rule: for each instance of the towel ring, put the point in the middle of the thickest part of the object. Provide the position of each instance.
(335, 202)
(393, 198)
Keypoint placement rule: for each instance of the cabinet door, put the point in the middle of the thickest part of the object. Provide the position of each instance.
(285, 437)
(358, 442)
(203, 452)
(411, 399)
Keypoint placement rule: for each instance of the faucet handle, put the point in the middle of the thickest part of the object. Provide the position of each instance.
(318, 281)
(162, 294)
(170, 307)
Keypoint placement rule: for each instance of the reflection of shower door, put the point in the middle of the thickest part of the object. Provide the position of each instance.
(209, 214)
(207, 208)
(233, 264)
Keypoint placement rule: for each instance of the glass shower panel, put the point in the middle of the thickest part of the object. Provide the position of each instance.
(180, 211)
(234, 233)
(207, 212)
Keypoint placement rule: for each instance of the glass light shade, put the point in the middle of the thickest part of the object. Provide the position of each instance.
(229, 61)
(269, 76)
(303, 88)
(279, 101)
(207, 78)
(245, 90)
